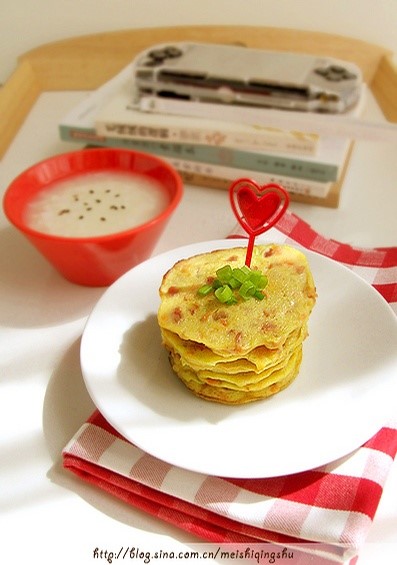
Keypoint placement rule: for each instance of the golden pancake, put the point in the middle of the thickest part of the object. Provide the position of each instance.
(239, 347)
(229, 330)
(225, 395)
(239, 381)
(198, 356)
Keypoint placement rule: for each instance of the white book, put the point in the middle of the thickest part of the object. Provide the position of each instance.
(347, 125)
(293, 185)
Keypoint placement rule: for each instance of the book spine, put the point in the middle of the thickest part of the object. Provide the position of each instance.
(260, 139)
(226, 175)
(81, 135)
(215, 155)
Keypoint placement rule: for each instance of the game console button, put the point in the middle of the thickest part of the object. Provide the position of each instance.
(172, 52)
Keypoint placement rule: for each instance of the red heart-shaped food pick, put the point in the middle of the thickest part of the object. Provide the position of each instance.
(257, 208)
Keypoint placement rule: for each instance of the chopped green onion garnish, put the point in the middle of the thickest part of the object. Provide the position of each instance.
(259, 295)
(240, 275)
(259, 280)
(247, 290)
(205, 289)
(224, 274)
(234, 283)
(224, 293)
(248, 283)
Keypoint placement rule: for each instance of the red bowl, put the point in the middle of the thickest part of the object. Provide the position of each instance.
(97, 260)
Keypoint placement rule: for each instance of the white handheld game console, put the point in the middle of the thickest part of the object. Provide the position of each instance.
(228, 74)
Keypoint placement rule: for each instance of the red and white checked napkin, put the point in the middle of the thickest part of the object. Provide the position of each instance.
(326, 511)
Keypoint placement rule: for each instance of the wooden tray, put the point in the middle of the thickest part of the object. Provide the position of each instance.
(84, 63)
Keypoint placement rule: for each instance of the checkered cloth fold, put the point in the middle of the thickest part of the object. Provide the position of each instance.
(326, 511)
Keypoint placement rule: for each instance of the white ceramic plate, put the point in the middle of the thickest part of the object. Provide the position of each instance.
(339, 400)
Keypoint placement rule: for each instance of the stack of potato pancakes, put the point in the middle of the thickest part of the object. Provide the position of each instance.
(230, 346)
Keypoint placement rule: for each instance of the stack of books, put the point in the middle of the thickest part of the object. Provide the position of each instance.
(209, 152)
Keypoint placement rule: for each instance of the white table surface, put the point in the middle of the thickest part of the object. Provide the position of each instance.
(47, 515)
